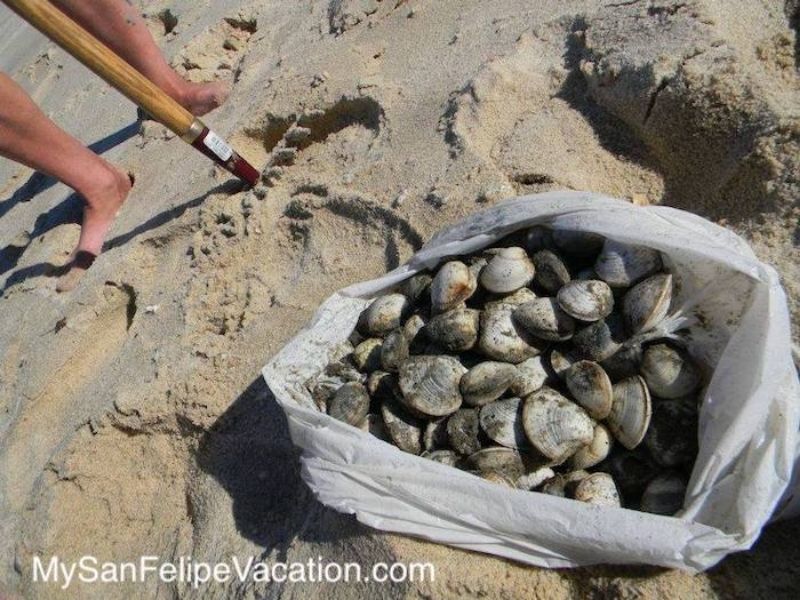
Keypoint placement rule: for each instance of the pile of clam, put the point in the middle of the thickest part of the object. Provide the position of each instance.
(534, 364)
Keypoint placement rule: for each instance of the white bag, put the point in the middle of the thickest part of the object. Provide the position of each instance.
(748, 420)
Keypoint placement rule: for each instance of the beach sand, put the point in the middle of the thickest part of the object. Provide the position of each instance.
(133, 418)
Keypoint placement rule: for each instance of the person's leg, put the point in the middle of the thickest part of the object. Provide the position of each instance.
(29, 137)
(119, 25)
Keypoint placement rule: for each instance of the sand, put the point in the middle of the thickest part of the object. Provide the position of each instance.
(133, 419)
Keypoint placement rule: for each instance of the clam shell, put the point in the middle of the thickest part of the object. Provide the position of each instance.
(499, 479)
(367, 355)
(518, 298)
(664, 495)
(598, 489)
(550, 271)
(554, 425)
(545, 319)
(403, 428)
(531, 376)
(349, 404)
(672, 435)
(560, 361)
(596, 451)
(630, 411)
(586, 300)
(502, 339)
(502, 422)
(455, 330)
(445, 457)
(435, 435)
(384, 314)
(647, 303)
(580, 244)
(453, 284)
(487, 381)
(417, 287)
(622, 265)
(394, 350)
(463, 429)
(535, 478)
(590, 387)
(669, 373)
(497, 459)
(430, 384)
(625, 362)
(599, 340)
(507, 271)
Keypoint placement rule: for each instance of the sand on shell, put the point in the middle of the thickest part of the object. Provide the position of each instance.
(133, 419)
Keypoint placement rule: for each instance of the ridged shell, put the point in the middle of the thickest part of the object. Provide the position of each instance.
(531, 376)
(554, 425)
(550, 271)
(502, 339)
(445, 457)
(404, 429)
(630, 411)
(647, 303)
(598, 489)
(599, 340)
(498, 460)
(367, 355)
(581, 244)
(453, 284)
(596, 451)
(669, 373)
(502, 422)
(455, 330)
(349, 404)
(487, 381)
(507, 271)
(590, 387)
(463, 429)
(672, 435)
(622, 265)
(664, 495)
(384, 314)
(586, 300)
(430, 384)
(394, 350)
(545, 319)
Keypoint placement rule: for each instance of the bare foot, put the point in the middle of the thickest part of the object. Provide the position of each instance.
(201, 98)
(102, 205)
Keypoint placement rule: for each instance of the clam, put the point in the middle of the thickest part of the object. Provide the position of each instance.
(497, 459)
(367, 355)
(545, 319)
(487, 381)
(598, 489)
(669, 373)
(502, 422)
(590, 387)
(535, 478)
(507, 271)
(550, 271)
(672, 435)
(394, 350)
(622, 265)
(384, 314)
(624, 362)
(430, 384)
(580, 244)
(445, 457)
(435, 434)
(531, 376)
(403, 428)
(664, 495)
(463, 429)
(596, 451)
(560, 361)
(518, 298)
(554, 425)
(647, 303)
(599, 340)
(453, 284)
(349, 404)
(563, 485)
(455, 330)
(630, 411)
(586, 300)
(502, 339)
(416, 287)
(499, 478)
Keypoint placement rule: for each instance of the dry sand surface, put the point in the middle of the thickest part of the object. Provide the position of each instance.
(133, 419)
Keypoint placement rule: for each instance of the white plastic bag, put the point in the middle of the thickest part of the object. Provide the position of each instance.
(748, 421)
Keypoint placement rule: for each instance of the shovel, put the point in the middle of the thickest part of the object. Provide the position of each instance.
(101, 60)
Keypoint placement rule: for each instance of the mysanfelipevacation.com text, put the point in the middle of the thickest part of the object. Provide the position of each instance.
(188, 571)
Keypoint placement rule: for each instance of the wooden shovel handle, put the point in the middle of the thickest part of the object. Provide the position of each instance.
(104, 62)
